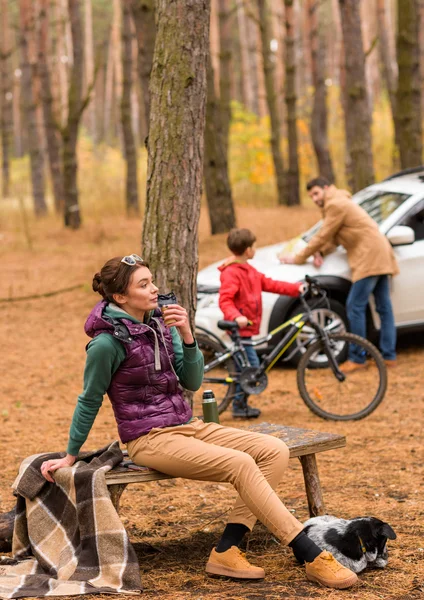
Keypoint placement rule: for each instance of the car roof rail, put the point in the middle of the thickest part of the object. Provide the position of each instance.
(409, 171)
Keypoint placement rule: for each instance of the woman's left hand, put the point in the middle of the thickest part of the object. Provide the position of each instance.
(175, 315)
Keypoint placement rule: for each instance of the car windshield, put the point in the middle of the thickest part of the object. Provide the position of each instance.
(379, 206)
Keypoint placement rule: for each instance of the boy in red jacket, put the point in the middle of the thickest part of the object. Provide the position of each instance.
(240, 299)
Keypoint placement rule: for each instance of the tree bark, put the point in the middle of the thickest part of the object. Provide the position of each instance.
(293, 197)
(319, 120)
(272, 102)
(357, 113)
(245, 60)
(50, 123)
(253, 59)
(143, 12)
(30, 108)
(218, 190)
(89, 69)
(175, 146)
(126, 112)
(408, 97)
(225, 62)
(388, 59)
(76, 106)
(6, 95)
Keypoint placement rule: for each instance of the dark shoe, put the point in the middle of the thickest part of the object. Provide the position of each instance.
(245, 412)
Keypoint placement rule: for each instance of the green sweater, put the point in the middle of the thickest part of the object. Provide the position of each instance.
(104, 356)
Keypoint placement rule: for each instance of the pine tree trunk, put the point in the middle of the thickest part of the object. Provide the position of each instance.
(245, 66)
(175, 146)
(50, 125)
(217, 183)
(387, 58)
(408, 98)
(225, 60)
(293, 197)
(61, 17)
(319, 120)
(30, 109)
(89, 69)
(108, 98)
(272, 102)
(126, 112)
(253, 62)
(357, 115)
(143, 12)
(6, 112)
(76, 106)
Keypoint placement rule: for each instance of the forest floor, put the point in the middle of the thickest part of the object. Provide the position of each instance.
(174, 524)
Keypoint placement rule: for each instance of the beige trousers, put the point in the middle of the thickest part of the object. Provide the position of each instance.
(253, 463)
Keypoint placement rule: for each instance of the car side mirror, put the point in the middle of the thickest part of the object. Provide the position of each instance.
(401, 235)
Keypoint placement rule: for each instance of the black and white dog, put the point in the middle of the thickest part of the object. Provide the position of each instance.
(356, 544)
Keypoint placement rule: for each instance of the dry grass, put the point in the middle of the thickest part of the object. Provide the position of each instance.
(174, 524)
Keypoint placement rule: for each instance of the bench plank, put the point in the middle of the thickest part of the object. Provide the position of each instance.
(302, 443)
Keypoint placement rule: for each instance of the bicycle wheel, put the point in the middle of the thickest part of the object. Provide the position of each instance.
(223, 389)
(349, 400)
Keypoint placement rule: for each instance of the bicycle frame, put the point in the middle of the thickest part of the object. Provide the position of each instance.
(295, 326)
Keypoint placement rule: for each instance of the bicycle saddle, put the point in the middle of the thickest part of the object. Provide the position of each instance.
(227, 325)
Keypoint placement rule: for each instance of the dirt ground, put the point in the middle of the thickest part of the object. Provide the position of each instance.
(173, 524)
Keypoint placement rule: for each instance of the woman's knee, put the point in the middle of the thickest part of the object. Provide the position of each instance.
(278, 451)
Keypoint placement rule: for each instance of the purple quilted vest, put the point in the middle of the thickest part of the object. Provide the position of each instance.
(144, 391)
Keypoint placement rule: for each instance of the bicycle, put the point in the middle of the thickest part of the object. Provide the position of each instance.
(326, 390)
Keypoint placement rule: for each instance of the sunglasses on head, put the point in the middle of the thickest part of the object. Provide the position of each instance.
(131, 260)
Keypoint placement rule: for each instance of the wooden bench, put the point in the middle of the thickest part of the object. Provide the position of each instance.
(302, 443)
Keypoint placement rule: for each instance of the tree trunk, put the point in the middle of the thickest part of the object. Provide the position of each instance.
(61, 17)
(408, 98)
(50, 124)
(253, 62)
(143, 12)
(319, 120)
(89, 69)
(388, 59)
(357, 115)
(246, 72)
(6, 95)
(225, 61)
(108, 98)
(293, 197)
(30, 108)
(76, 106)
(272, 102)
(217, 183)
(175, 146)
(126, 112)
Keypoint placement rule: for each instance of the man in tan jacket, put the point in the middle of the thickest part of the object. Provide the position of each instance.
(371, 259)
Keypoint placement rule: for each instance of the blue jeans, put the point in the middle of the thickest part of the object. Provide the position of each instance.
(356, 307)
(240, 397)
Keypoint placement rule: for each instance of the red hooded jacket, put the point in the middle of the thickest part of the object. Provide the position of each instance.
(240, 293)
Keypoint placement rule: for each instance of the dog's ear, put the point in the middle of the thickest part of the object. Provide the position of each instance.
(387, 531)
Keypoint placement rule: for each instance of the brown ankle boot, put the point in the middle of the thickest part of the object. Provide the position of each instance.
(326, 570)
(232, 563)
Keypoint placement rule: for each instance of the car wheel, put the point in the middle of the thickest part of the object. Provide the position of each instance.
(333, 318)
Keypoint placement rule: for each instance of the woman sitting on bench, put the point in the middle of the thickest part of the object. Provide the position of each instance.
(140, 358)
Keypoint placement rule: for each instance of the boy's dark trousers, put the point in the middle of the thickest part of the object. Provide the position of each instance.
(241, 409)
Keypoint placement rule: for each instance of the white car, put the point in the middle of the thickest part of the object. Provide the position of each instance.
(397, 205)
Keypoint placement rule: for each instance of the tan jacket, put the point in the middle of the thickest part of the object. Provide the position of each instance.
(345, 223)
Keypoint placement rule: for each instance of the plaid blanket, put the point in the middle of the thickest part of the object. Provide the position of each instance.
(68, 538)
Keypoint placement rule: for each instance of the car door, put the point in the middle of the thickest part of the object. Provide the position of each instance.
(408, 286)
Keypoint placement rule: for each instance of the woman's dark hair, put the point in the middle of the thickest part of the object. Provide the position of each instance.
(320, 181)
(114, 277)
(239, 240)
